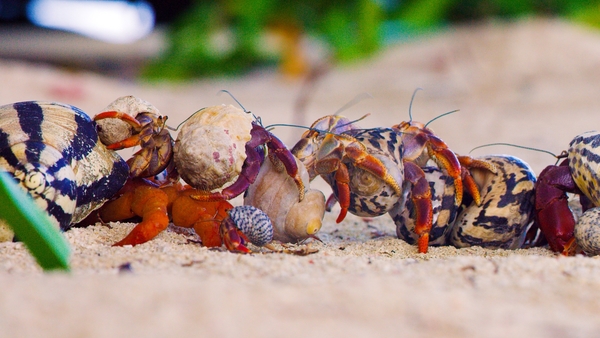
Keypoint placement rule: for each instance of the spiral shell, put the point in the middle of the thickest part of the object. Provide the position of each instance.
(444, 209)
(587, 231)
(275, 192)
(53, 151)
(114, 130)
(507, 206)
(210, 147)
(253, 223)
(369, 195)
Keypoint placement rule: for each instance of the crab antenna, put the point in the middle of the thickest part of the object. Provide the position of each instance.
(411, 103)
(234, 99)
(272, 126)
(561, 155)
(442, 115)
(184, 121)
(354, 101)
(243, 108)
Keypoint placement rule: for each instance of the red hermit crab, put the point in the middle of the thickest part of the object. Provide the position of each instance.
(215, 222)
(577, 174)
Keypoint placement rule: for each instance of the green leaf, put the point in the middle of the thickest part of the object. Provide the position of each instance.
(32, 226)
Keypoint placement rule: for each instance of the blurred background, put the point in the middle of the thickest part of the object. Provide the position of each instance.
(183, 40)
(523, 72)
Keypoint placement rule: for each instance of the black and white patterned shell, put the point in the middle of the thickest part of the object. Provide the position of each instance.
(502, 219)
(53, 151)
(507, 206)
(444, 209)
(369, 195)
(253, 223)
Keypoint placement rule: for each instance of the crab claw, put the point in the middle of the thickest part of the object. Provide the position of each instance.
(467, 163)
(233, 239)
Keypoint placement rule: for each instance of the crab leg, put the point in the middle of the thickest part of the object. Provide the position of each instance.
(154, 156)
(446, 158)
(151, 203)
(251, 167)
(421, 196)
(279, 150)
(233, 239)
(342, 180)
(204, 217)
(247, 176)
(361, 158)
(467, 163)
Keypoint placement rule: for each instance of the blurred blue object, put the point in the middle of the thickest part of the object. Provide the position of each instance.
(111, 21)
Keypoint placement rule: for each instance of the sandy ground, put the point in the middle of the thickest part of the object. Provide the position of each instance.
(531, 83)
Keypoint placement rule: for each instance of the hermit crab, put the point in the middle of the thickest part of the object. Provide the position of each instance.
(501, 220)
(577, 174)
(218, 147)
(368, 169)
(276, 194)
(216, 223)
(53, 151)
(225, 146)
(363, 167)
(129, 121)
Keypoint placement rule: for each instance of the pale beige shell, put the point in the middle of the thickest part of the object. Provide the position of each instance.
(210, 147)
(115, 130)
(275, 192)
(587, 232)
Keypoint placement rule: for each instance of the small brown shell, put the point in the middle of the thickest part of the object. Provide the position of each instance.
(114, 130)
(210, 147)
(275, 192)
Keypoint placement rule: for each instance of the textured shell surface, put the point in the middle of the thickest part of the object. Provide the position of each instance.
(275, 192)
(113, 130)
(370, 195)
(444, 209)
(506, 210)
(254, 223)
(53, 151)
(584, 162)
(210, 147)
(587, 231)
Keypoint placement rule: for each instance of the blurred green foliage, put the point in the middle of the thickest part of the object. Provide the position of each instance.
(227, 37)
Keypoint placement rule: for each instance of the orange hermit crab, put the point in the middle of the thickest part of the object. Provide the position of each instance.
(217, 223)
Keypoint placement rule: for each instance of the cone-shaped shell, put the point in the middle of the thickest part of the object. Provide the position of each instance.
(275, 192)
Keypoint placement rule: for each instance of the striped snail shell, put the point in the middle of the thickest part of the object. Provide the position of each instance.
(253, 223)
(53, 151)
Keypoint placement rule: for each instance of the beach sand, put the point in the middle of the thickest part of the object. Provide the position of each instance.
(532, 83)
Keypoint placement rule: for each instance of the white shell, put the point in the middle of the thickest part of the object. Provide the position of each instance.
(210, 147)
(114, 130)
(275, 192)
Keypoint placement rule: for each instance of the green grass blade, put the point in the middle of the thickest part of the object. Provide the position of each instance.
(32, 226)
